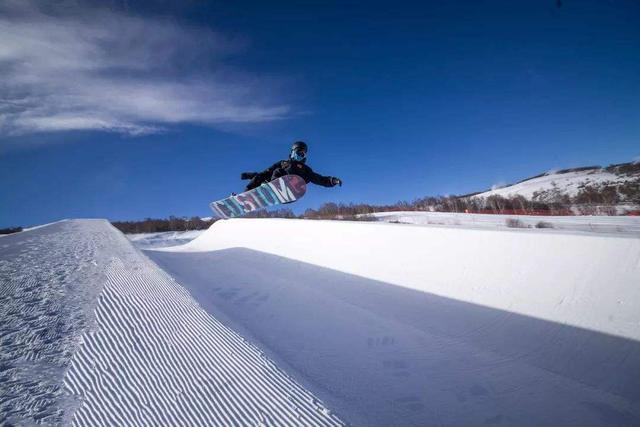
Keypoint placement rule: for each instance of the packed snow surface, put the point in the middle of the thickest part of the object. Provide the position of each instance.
(393, 324)
(94, 333)
(293, 322)
(49, 280)
(163, 239)
(616, 225)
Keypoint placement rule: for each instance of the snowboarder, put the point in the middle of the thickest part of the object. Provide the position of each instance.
(294, 165)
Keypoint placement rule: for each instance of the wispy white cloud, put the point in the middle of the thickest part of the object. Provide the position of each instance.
(108, 71)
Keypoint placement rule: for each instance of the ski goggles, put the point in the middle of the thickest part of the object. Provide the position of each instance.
(298, 155)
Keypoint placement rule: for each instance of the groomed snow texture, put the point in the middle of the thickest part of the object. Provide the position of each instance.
(152, 357)
(49, 279)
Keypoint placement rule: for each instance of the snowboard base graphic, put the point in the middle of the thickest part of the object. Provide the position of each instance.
(286, 189)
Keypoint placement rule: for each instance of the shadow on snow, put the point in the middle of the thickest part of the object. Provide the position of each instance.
(381, 354)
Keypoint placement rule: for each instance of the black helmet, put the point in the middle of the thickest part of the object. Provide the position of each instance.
(299, 145)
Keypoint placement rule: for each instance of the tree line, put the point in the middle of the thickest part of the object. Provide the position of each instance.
(589, 200)
(156, 225)
(490, 205)
(174, 223)
(10, 230)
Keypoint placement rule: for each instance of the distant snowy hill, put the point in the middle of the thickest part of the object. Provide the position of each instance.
(614, 225)
(621, 181)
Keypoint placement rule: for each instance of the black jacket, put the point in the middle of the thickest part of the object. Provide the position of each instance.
(288, 167)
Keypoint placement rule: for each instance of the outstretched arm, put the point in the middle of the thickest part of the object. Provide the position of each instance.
(325, 181)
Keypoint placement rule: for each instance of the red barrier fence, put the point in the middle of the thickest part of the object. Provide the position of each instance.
(558, 212)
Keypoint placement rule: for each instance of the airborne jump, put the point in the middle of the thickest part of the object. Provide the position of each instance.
(283, 182)
(294, 165)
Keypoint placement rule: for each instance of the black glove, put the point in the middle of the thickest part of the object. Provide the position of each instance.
(336, 181)
(247, 175)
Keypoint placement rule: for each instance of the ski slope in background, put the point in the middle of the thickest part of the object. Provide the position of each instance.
(615, 225)
(568, 183)
(393, 324)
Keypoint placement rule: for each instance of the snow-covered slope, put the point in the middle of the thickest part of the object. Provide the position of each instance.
(394, 324)
(94, 333)
(49, 279)
(288, 322)
(420, 257)
(617, 225)
(163, 239)
(552, 184)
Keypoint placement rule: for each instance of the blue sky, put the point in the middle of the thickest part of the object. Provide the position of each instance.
(148, 109)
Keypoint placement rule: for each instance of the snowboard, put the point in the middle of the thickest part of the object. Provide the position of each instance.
(286, 189)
